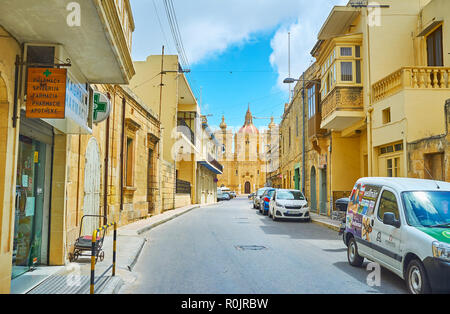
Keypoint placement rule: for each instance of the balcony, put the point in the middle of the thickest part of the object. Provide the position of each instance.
(184, 129)
(414, 99)
(413, 78)
(94, 33)
(342, 108)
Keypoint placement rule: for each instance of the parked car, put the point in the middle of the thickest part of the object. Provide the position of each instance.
(223, 196)
(265, 200)
(257, 197)
(251, 195)
(404, 225)
(289, 204)
(227, 196)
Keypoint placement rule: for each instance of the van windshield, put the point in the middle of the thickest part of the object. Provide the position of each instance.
(427, 209)
(290, 195)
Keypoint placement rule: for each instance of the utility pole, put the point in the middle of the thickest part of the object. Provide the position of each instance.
(289, 64)
(161, 200)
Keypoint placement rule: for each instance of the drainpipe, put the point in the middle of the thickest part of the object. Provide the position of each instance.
(105, 184)
(122, 142)
(303, 139)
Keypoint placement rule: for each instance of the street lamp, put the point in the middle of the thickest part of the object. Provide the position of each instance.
(290, 80)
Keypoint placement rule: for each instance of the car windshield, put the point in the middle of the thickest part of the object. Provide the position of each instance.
(290, 195)
(260, 192)
(427, 209)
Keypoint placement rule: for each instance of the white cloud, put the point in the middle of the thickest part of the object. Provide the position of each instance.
(210, 27)
(303, 38)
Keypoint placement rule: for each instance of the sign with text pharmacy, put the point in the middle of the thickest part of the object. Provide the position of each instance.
(46, 93)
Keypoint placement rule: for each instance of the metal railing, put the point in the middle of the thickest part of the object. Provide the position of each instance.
(183, 187)
(186, 130)
(95, 252)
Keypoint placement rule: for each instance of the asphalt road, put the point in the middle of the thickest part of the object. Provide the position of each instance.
(230, 248)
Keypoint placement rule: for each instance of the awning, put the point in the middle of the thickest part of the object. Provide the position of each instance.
(430, 27)
(210, 167)
(338, 22)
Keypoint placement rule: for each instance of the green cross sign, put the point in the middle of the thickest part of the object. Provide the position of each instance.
(47, 73)
(100, 107)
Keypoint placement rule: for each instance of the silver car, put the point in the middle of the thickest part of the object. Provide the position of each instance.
(257, 197)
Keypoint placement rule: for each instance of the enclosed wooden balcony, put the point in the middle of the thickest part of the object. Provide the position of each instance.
(342, 108)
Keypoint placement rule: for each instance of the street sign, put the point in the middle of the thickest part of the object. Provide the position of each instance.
(46, 93)
(102, 107)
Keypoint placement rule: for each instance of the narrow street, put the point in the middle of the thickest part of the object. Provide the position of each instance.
(216, 249)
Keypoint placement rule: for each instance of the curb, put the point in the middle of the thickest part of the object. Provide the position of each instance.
(153, 225)
(324, 224)
(137, 254)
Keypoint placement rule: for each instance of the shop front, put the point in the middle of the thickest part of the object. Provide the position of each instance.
(32, 210)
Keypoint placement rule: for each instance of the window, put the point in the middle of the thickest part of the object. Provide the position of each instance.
(358, 51)
(393, 167)
(129, 165)
(346, 71)
(386, 115)
(312, 101)
(434, 48)
(388, 204)
(289, 136)
(346, 51)
(358, 71)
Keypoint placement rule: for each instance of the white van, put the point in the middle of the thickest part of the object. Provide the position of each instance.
(404, 225)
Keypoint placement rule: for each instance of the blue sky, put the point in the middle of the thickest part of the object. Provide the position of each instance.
(239, 76)
(246, 37)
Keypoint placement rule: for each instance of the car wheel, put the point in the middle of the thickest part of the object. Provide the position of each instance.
(352, 254)
(416, 278)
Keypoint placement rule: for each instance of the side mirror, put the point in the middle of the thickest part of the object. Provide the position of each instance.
(389, 219)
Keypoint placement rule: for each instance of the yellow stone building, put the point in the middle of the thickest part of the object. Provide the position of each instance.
(379, 109)
(244, 155)
(54, 171)
(161, 83)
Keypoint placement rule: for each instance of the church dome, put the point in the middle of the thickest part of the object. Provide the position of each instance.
(248, 127)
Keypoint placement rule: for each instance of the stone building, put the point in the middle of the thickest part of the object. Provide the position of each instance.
(244, 156)
(376, 111)
(59, 164)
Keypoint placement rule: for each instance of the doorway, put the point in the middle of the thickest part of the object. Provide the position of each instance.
(323, 192)
(313, 190)
(297, 179)
(30, 244)
(247, 188)
(92, 187)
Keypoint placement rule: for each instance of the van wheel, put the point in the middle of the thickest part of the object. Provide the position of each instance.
(352, 254)
(416, 278)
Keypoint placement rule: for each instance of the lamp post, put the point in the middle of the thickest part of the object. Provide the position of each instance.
(290, 81)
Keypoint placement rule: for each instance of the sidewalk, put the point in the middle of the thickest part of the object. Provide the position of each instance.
(75, 278)
(326, 221)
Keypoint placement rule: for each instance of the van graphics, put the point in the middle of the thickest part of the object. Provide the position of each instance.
(439, 234)
(354, 224)
(361, 209)
(367, 228)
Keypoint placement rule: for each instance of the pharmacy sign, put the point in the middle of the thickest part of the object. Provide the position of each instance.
(102, 107)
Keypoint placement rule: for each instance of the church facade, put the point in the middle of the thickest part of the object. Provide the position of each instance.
(244, 155)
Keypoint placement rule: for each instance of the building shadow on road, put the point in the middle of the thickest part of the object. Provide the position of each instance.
(296, 229)
(389, 282)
